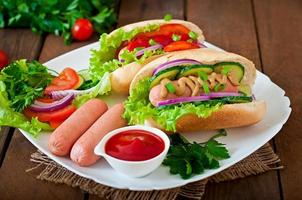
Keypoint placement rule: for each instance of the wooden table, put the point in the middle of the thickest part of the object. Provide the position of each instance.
(266, 31)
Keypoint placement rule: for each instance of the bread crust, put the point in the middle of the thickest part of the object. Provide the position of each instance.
(122, 77)
(230, 115)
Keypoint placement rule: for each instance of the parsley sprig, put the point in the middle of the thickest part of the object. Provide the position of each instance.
(187, 159)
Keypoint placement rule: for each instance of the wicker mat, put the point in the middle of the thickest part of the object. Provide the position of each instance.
(261, 161)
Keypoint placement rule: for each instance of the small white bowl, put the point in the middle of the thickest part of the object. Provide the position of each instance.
(134, 169)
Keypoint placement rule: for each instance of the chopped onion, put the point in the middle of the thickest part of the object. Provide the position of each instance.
(221, 94)
(201, 45)
(152, 48)
(173, 64)
(48, 107)
(62, 93)
(183, 100)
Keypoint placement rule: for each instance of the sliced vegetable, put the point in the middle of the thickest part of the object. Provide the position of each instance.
(174, 63)
(67, 79)
(151, 48)
(3, 59)
(213, 95)
(234, 71)
(180, 45)
(80, 83)
(195, 70)
(49, 107)
(183, 100)
(84, 73)
(58, 115)
(169, 73)
(55, 124)
(170, 87)
(245, 89)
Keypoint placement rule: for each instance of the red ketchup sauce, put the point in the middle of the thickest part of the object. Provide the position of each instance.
(134, 145)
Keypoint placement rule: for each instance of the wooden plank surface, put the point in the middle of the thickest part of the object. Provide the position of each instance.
(279, 25)
(230, 25)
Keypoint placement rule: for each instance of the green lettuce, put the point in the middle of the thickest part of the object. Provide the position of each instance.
(138, 108)
(102, 60)
(9, 117)
(102, 88)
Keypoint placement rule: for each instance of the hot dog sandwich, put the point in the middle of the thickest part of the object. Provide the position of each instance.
(199, 89)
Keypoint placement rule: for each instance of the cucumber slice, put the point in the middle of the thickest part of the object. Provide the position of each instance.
(169, 73)
(85, 74)
(237, 99)
(245, 89)
(234, 71)
(195, 69)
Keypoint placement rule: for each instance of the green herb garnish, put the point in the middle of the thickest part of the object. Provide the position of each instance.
(187, 159)
(205, 87)
(203, 75)
(168, 17)
(58, 17)
(219, 87)
(152, 42)
(170, 87)
(193, 35)
(175, 37)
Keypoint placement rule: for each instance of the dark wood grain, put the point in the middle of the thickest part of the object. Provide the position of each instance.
(16, 184)
(138, 10)
(230, 25)
(280, 35)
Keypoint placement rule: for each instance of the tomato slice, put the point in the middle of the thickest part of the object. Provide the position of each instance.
(55, 124)
(178, 29)
(58, 115)
(163, 39)
(138, 42)
(67, 79)
(180, 45)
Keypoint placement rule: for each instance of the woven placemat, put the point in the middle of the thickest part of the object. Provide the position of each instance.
(263, 160)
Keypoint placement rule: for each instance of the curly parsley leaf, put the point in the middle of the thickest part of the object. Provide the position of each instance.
(187, 159)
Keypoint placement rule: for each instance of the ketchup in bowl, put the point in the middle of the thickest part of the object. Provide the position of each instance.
(134, 145)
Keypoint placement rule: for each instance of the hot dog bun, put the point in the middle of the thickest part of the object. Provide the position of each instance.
(229, 115)
(122, 77)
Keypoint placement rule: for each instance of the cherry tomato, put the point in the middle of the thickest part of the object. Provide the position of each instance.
(138, 42)
(82, 29)
(67, 79)
(180, 45)
(58, 115)
(3, 59)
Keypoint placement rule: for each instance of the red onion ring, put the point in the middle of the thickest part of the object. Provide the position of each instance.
(174, 63)
(57, 105)
(152, 48)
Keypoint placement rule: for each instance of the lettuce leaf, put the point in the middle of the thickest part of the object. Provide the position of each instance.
(102, 60)
(138, 108)
(9, 117)
(102, 88)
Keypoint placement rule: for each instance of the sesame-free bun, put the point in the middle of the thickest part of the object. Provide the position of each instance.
(122, 77)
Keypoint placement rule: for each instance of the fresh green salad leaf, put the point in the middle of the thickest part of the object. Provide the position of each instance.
(168, 17)
(56, 16)
(24, 81)
(138, 108)
(187, 159)
(103, 60)
(102, 88)
(20, 83)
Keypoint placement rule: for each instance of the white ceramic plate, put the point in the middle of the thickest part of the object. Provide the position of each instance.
(241, 142)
